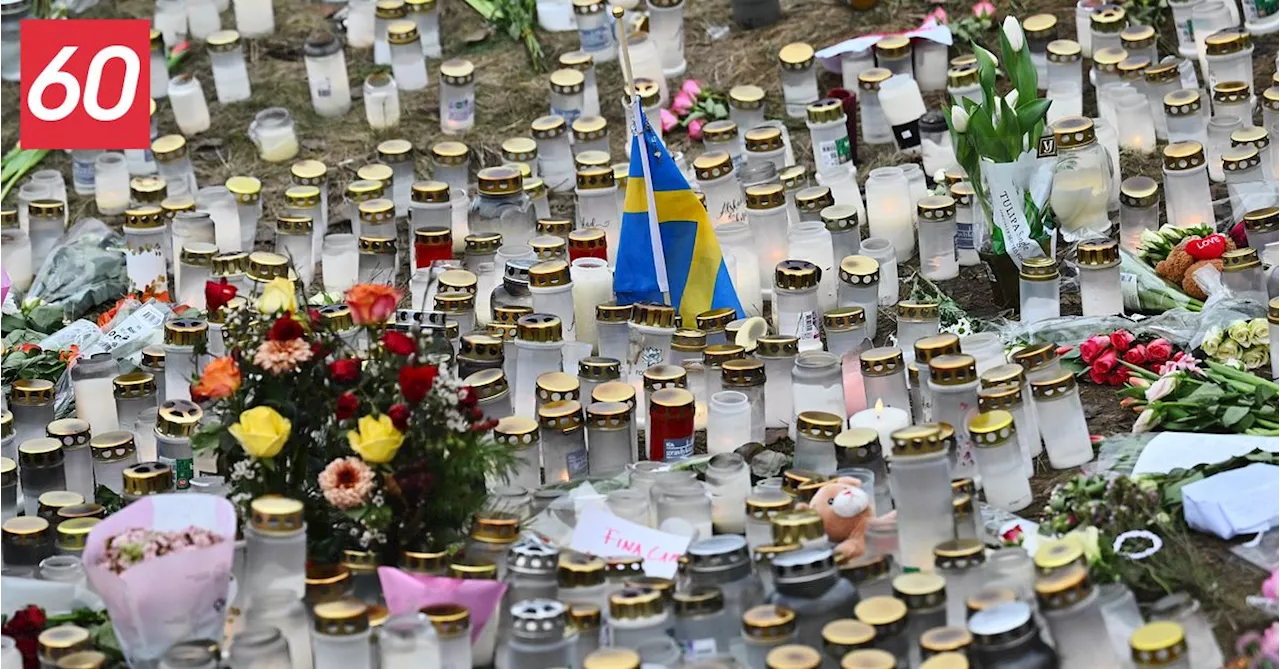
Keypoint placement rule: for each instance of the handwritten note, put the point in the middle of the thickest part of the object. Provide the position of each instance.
(603, 534)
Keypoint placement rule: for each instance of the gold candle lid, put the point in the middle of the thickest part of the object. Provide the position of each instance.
(86, 510)
(556, 386)
(688, 340)
(556, 227)
(841, 319)
(1108, 19)
(169, 148)
(1241, 259)
(6, 423)
(1098, 254)
(859, 270)
(953, 370)
(1040, 268)
(768, 621)
(503, 180)
(742, 373)
(1262, 220)
(457, 72)
(591, 158)
(516, 432)
(495, 527)
(763, 139)
(719, 354)
(84, 659)
(959, 554)
(70, 432)
(198, 254)
(921, 590)
(599, 369)
(698, 601)
(230, 264)
(147, 216)
(563, 415)
(672, 398)
(648, 91)
(451, 153)
(539, 328)
(588, 128)
(276, 515)
(264, 266)
(73, 533)
(185, 332)
(1054, 555)
(1231, 92)
(308, 172)
(1158, 643)
(793, 656)
(795, 56)
(1240, 158)
(870, 79)
(1063, 588)
(712, 165)
(847, 634)
(61, 641)
(765, 196)
(29, 392)
(796, 275)
(1133, 68)
(40, 452)
(611, 658)
(987, 598)
(1040, 26)
(869, 658)
(148, 478)
(1139, 192)
(635, 603)
(1182, 102)
(888, 615)
(936, 208)
(178, 418)
(883, 361)
(653, 315)
(595, 178)
(614, 391)
(917, 440)
(326, 582)
(796, 527)
(343, 617)
(1003, 397)
(746, 97)
(776, 346)
(473, 569)
(580, 571)
(814, 199)
(424, 561)
(720, 131)
(893, 46)
(608, 415)
(51, 502)
(959, 77)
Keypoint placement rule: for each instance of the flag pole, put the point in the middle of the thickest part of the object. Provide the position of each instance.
(628, 81)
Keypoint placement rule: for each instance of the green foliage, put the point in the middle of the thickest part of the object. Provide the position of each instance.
(516, 18)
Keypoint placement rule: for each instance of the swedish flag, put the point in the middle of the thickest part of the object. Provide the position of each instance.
(667, 244)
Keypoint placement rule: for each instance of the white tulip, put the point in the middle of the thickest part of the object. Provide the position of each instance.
(1012, 99)
(1013, 33)
(959, 119)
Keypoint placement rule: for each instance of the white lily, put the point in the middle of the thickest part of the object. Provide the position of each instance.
(959, 119)
(1013, 33)
(1161, 388)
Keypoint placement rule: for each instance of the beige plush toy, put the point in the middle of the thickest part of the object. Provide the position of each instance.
(846, 511)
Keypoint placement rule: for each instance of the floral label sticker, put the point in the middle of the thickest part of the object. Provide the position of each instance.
(677, 449)
(146, 269)
(834, 153)
(650, 356)
(576, 463)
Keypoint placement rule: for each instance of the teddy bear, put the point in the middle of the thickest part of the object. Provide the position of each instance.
(845, 509)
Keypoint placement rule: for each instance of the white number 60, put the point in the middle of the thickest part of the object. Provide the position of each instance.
(53, 75)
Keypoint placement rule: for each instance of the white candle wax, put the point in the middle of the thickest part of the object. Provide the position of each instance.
(884, 420)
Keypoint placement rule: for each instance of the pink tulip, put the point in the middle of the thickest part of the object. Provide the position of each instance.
(691, 87)
(984, 8)
(695, 128)
(669, 120)
(682, 103)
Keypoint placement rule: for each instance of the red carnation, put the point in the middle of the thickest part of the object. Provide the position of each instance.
(345, 370)
(1159, 350)
(399, 415)
(398, 342)
(285, 329)
(1121, 340)
(348, 404)
(467, 397)
(217, 294)
(316, 319)
(415, 381)
(1136, 355)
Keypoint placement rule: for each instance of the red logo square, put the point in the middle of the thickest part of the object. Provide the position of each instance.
(86, 84)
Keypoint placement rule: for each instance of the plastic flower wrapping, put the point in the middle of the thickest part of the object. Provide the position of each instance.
(357, 418)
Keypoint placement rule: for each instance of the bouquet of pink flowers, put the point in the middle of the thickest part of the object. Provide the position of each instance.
(162, 565)
(693, 107)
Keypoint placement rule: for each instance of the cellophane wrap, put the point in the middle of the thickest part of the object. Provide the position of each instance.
(183, 595)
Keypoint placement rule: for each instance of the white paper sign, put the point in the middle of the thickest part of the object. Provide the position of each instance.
(146, 319)
(603, 534)
(1168, 451)
(1008, 184)
(81, 333)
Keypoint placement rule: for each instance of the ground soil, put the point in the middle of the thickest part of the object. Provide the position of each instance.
(510, 95)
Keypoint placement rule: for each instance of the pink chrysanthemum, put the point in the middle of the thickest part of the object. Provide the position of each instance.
(346, 482)
(279, 357)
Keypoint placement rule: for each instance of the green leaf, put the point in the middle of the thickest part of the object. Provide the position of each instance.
(1206, 394)
(11, 322)
(46, 318)
(1233, 415)
(1031, 113)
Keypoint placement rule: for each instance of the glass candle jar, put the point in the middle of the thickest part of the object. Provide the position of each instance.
(737, 241)
(327, 73)
(381, 101)
(953, 390)
(457, 96)
(796, 303)
(859, 287)
(1082, 180)
(670, 425)
(598, 206)
(554, 154)
(817, 384)
(815, 441)
(916, 320)
(1186, 184)
(538, 346)
(767, 218)
(520, 434)
(884, 378)
(1038, 293)
(830, 137)
(859, 448)
(293, 241)
(809, 241)
(378, 258)
(1061, 419)
(173, 163)
(430, 215)
(747, 376)
(799, 82)
(1139, 212)
(340, 637)
(715, 176)
(31, 401)
(842, 222)
(567, 98)
(41, 469)
(762, 506)
(765, 145)
(1099, 265)
(1000, 460)
(920, 464)
(175, 423)
(889, 211)
(1181, 609)
(113, 453)
(27, 542)
(226, 56)
(111, 183)
(407, 60)
(843, 330)
(937, 216)
(275, 547)
(273, 133)
(1186, 118)
(1243, 274)
(886, 615)
(962, 84)
(1070, 606)
(875, 126)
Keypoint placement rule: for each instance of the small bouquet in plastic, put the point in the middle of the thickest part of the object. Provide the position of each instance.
(162, 565)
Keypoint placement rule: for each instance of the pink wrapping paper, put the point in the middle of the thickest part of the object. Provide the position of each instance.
(4, 285)
(158, 603)
(406, 593)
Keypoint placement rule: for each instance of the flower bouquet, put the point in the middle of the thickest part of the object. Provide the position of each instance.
(1244, 342)
(693, 107)
(1102, 354)
(368, 425)
(162, 565)
(1177, 253)
(1188, 397)
(996, 142)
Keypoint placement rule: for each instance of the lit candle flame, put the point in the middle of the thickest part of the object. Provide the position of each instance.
(879, 407)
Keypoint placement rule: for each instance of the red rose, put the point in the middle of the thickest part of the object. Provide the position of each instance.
(348, 404)
(415, 381)
(1121, 340)
(398, 342)
(217, 294)
(1136, 355)
(1103, 364)
(1239, 235)
(1092, 347)
(1159, 350)
(467, 396)
(399, 415)
(26, 622)
(1098, 376)
(1118, 377)
(285, 329)
(346, 370)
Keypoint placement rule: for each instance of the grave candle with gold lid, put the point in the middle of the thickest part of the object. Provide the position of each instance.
(1061, 419)
(920, 480)
(1069, 604)
(340, 638)
(1099, 265)
(1000, 460)
(888, 617)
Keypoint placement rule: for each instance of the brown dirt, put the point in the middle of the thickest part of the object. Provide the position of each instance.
(510, 95)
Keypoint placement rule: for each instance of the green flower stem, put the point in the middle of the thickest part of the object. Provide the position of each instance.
(1144, 373)
(1251, 380)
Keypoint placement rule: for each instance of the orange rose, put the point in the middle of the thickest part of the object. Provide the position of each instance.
(221, 378)
(372, 303)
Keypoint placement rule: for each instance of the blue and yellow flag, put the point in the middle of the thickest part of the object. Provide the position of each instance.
(686, 262)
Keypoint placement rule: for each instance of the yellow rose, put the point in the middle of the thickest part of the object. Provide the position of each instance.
(277, 296)
(376, 440)
(261, 431)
